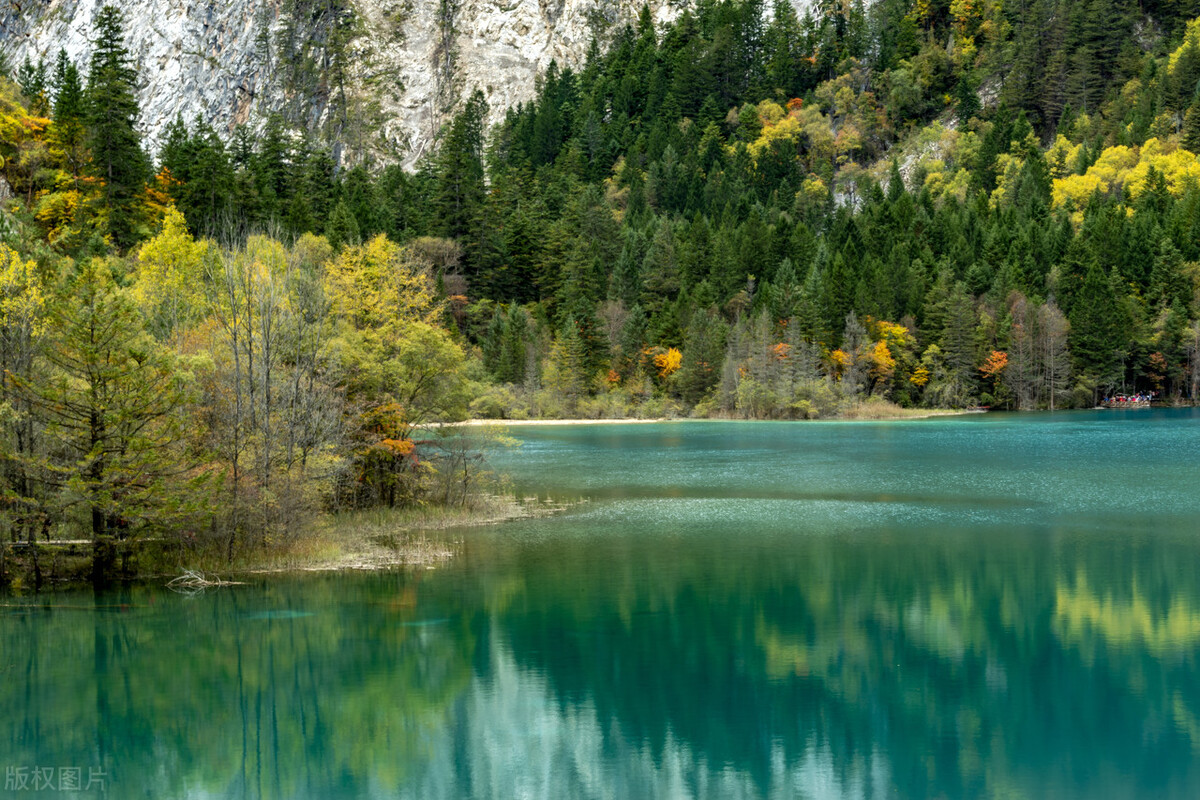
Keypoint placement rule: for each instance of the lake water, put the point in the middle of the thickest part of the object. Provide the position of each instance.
(992, 606)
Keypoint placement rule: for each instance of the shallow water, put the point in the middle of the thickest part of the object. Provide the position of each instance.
(985, 606)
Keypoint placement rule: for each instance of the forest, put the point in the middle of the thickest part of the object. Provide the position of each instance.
(745, 213)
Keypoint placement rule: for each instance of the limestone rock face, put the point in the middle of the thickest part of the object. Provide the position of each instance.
(497, 46)
(411, 61)
(194, 58)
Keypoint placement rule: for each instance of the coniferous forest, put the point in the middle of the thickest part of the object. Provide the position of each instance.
(746, 213)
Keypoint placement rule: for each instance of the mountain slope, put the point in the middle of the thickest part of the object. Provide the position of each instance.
(377, 76)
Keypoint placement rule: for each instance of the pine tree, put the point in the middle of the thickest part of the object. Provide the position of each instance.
(460, 169)
(966, 100)
(570, 360)
(200, 163)
(1098, 330)
(32, 80)
(516, 348)
(1168, 284)
(175, 155)
(1191, 128)
(783, 41)
(958, 344)
(491, 345)
(112, 113)
(69, 134)
(1170, 339)
(703, 346)
(632, 338)
(342, 227)
(271, 167)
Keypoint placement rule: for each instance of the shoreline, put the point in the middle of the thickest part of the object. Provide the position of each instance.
(382, 539)
(520, 423)
(365, 541)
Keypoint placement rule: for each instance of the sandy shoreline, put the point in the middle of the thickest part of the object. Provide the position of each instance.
(523, 422)
(513, 423)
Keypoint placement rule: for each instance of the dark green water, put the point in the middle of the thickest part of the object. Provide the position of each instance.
(983, 607)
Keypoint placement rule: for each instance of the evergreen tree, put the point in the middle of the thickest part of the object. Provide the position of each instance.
(460, 169)
(703, 348)
(516, 347)
(112, 113)
(342, 228)
(783, 41)
(492, 344)
(1191, 128)
(958, 344)
(1168, 285)
(271, 167)
(1098, 330)
(32, 80)
(70, 113)
(966, 100)
(570, 361)
(208, 178)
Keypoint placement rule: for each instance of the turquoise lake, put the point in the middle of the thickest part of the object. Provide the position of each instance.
(985, 606)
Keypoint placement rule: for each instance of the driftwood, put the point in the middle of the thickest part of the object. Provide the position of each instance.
(194, 582)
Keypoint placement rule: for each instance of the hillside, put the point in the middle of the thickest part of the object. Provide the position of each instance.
(772, 216)
(860, 214)
(372, 80)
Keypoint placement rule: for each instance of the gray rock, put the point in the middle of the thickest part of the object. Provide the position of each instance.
(411, 63)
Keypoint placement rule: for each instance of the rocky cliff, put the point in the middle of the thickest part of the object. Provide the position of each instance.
(377, 76)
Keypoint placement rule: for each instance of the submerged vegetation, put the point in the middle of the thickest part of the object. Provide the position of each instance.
(871, 210)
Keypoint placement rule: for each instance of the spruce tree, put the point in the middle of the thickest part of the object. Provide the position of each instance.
(703, 347)
(783, 42)
(342, 227)
(1191, 128)
(175, 155)
(211, 187)
(966, 100)
(1098, 330)
(70, 132)
(492, 344)
(1168, 284)
(517, 351)
(32, 80)
(112, 112)
(271, 169)
(460, 169)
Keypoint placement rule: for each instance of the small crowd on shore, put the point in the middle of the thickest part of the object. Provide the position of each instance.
(1143, 398)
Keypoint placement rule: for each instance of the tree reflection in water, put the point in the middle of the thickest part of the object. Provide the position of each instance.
(625, 666)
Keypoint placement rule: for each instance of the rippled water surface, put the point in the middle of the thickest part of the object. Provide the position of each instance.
(992, 606)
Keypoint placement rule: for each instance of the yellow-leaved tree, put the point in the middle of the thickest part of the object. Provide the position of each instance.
(23, 152)
(396, 364)
(170, 279)
(22, 324)
(389, 343)
(377, 285)
(1130, 169)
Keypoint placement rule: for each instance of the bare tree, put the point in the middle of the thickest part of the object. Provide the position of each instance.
(1024, 361)
(1052, 346)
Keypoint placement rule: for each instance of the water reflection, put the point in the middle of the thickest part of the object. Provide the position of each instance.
(771, 646)
(298, 689)
(841, 667)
